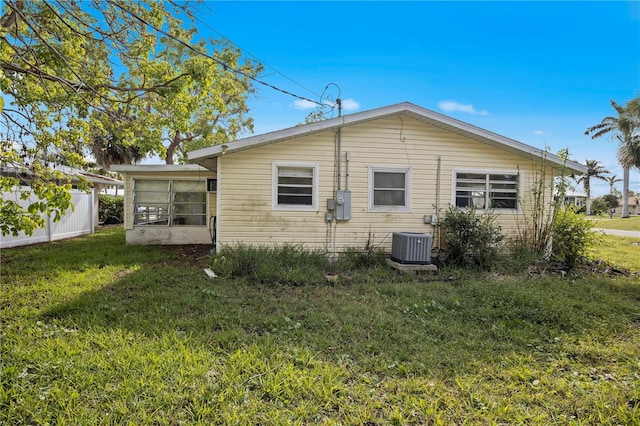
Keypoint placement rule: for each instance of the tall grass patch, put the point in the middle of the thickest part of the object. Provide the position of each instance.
(294, 265)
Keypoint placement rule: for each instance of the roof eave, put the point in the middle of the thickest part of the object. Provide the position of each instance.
(128, 168)
(204, 156)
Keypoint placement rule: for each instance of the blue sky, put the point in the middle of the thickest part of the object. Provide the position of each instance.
(538, 72)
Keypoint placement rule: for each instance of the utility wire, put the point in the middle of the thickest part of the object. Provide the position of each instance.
(206, 55)
(204, 23)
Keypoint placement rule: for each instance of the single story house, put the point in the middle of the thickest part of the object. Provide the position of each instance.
(574, 198)
(345, 182)
(633, 203)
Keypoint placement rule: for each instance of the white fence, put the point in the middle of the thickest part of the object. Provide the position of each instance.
(80, 221)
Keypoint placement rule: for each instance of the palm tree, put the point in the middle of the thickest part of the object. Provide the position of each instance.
(625, 126)
(594, 170)
(612, 181)
(108, 151)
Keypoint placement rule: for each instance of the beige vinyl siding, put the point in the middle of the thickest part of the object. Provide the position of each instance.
(246, 180)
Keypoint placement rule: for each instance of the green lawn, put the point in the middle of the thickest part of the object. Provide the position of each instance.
(621, 251)
(95, 332)
(628, 224)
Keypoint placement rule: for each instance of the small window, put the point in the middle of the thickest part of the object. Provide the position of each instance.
(169, 202)
(486, 190)
(388, 189)
(295, 186)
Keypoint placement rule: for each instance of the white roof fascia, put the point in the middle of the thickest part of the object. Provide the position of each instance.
(165, 168)
(72, 172)
(406, 108)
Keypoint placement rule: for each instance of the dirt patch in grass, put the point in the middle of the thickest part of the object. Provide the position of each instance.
(191, 254)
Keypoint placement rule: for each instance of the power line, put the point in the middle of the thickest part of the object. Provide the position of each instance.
(206, 55)
(254, 56)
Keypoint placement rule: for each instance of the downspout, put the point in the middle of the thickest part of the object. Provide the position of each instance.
(437, 226)
(339, 102)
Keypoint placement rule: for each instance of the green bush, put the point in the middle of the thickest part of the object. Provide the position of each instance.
(472, 239)
(572, 236)
(110, 206)
(598, 206)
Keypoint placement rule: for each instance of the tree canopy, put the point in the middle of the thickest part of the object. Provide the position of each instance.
(113, 79)
(625, 128)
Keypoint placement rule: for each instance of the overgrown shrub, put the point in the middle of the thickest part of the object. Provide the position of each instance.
(294, 265)
(472, 239)
(554, 231)
(572, 235)
(287, 264)
(354, 259)
(110, 206)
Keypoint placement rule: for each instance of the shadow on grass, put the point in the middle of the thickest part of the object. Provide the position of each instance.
(98, 283)
(406, 326)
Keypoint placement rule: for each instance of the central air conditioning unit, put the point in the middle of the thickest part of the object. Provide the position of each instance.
(411, 247)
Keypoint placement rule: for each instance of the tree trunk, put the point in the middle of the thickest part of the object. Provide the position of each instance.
(587, 189)
(171, 149)
(625, 193)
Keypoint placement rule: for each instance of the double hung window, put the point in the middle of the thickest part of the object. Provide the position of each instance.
(388, 188)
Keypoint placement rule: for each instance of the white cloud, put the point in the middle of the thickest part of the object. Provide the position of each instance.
(347, 104)
(350, 104)
(539, 132)
(303, 104)
(453, 106)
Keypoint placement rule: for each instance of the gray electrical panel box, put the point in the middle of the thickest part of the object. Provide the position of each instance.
(343, 204)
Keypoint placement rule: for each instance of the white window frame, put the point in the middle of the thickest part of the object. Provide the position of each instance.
(407, 190)
(171, 215)
(274, 186)
(519, 187)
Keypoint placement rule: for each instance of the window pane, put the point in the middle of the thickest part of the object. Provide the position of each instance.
(151, 185)
(151, 215)
(470, 199)
(190, 197)
(189, 209)
(295, 181)
(293, 190)
(189, 220)
(301, 200)
(471, 186)
(503, 178)
(188, 186)
(394, 180)
(151, 197)
(471, 176)
(388, 198)
(295, 172)
(503, 203)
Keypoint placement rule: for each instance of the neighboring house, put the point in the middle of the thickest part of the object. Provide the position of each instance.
(573, 198)
(634, 205)
(349, 181)
(81, 220)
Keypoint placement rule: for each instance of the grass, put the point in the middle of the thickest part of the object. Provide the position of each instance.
(621, 251)
(628, 224)
(95, 332)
